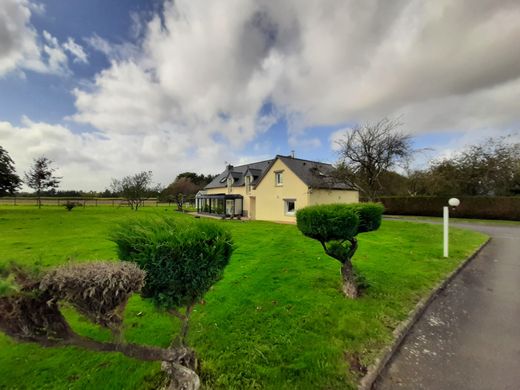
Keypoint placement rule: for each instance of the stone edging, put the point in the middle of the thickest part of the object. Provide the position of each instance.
(374, 370)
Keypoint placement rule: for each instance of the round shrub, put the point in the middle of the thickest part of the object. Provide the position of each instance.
(328, 222)
(370, 215)
(182, 259)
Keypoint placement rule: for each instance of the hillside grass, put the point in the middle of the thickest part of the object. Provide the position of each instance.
(277, 320)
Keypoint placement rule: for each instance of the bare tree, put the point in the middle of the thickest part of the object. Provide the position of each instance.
(368, 151)
(134, 188)
(40, 177)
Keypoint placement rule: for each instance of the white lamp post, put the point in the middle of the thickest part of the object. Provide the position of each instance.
(453, 202)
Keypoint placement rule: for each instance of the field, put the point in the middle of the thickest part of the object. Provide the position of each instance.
(277, 320)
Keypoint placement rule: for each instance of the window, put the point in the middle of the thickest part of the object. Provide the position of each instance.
(249, 180)
(229, 183)
(278, 178)
(290, 206)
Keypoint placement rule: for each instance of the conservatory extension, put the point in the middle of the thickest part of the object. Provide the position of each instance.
(222, 205)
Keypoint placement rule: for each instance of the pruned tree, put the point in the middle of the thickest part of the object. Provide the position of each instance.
(368, 151)
(182, 261)
(336, 227)
(30, 311)
(9, 180)
(41, 177)
(135, 188)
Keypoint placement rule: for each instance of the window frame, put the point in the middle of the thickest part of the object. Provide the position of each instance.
(278, 174)
(286, 206)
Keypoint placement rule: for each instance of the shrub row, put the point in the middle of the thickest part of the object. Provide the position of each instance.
(470, 207)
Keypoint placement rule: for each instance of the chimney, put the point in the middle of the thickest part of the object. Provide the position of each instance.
(292, 153)
(229, 167)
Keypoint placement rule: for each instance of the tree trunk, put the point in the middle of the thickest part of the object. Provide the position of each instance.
(182, 372)
(350, 288)
(181, 378)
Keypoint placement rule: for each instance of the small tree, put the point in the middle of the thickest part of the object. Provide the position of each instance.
(40, 177)
(368, 151)
(182, 261)
(9, 180)
(336, 226)
(135, 188)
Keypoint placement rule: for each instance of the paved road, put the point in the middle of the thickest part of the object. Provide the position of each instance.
(469, 337)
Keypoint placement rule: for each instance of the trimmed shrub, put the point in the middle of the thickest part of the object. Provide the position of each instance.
(499, 207)
(98, 290)
(370, 215)
(182, 259)
(328, 222)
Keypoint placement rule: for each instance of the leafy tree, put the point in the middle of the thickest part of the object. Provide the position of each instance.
(9, 180)
(182, 261)
(186, 184)
(41, 177)
(179, 190)
(368, 151)
(135, 188)
(336, 226)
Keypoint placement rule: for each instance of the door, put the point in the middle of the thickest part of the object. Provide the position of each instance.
(252, 207)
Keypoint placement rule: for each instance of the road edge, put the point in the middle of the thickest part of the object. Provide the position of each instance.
(402, 330)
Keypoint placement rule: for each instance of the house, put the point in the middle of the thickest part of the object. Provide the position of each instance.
(273, 190)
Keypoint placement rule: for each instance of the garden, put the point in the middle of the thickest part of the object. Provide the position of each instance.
(276, 319)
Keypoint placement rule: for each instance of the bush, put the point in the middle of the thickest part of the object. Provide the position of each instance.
(328, 222)
(370, 215)
(182, 259)
(470, 207)
(98, 290)
(70, 205)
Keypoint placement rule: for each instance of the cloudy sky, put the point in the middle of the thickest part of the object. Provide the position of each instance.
(110, 88)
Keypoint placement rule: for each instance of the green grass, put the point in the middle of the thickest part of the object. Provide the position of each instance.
(277, 320)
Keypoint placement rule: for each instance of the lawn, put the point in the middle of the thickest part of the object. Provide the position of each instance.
(277, 320)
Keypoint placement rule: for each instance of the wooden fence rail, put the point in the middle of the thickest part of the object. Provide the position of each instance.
(52, 201)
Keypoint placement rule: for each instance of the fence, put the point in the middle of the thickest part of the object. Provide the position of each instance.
(55, 201)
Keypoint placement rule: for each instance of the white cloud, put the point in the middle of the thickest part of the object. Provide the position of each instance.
(23, 48)
(208, 68)
(89, 160)
(76, 50)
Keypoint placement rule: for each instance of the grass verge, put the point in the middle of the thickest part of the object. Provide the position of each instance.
(276, 321)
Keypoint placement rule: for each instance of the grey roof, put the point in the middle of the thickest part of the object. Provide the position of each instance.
(238, 173)
(314, 174)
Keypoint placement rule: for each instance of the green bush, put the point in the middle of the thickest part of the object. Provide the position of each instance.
(370, 215)
(328, 222)
(492, 207)
(70, 205)
(182, 260)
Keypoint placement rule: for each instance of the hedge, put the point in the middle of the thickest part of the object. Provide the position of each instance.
(470, 207)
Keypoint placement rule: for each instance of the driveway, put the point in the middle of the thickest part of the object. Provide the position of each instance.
(469, 337)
